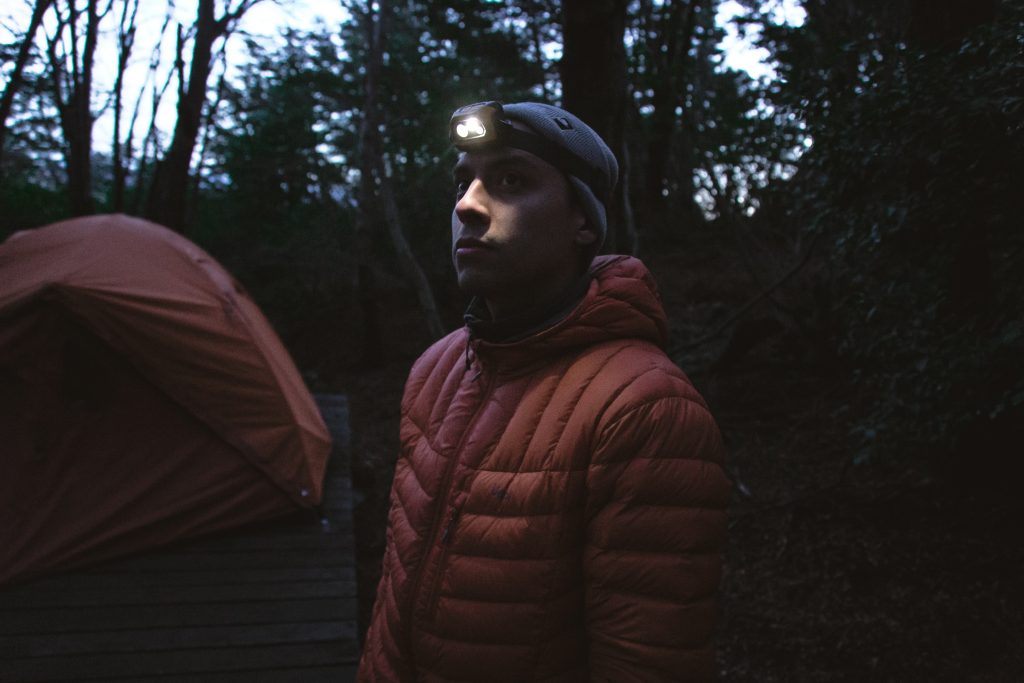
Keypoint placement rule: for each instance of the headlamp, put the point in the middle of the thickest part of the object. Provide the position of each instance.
(477, 125)
(483, 125)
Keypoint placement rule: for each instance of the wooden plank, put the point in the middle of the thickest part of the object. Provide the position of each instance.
(116, 579)
(40, 622)
(311, 547)
(338, 497)
(153, 639)
(337, 506)
(336, 554)
(334, 410)
(342, 673)
(307, 530)
(181, 574)
(140, 665)
(304, 540)
(334, 534)
(152, 595)
(319, 541)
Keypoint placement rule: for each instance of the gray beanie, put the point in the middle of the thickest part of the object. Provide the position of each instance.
(564, 130)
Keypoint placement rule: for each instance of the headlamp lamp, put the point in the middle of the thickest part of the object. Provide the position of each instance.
(476, 125)
(483, 125)
(470, 129)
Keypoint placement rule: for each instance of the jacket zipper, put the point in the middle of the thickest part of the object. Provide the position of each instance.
(435, 589)
(445, 533)
(449, 527)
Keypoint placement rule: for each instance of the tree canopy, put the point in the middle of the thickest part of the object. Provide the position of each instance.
(878, 163)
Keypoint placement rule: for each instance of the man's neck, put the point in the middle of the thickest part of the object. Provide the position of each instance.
(526, 320)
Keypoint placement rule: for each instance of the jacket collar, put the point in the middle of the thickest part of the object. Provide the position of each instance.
(508, 330)
(620, 302)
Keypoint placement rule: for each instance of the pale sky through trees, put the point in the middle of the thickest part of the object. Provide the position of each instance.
(264, 21)
(740, 53)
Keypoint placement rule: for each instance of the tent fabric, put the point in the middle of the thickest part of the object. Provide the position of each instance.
(143, 397)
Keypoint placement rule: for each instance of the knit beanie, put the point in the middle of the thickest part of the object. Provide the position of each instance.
(562, 129)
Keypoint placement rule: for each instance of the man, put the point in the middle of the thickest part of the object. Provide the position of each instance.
(558, 509)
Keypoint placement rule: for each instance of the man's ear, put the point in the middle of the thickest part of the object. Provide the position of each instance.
(585, 235)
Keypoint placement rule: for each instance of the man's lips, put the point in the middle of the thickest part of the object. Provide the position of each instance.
(470, 245)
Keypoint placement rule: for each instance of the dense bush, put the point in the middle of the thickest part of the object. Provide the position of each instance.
(913, 189)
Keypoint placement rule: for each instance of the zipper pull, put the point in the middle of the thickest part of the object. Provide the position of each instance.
(472, 345)
(449, 527)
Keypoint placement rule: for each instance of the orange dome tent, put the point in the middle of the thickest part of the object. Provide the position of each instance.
(143, 398)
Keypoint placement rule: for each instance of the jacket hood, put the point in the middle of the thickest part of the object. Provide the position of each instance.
(622, 302)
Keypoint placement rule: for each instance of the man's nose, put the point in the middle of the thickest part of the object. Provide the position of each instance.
(472, 205)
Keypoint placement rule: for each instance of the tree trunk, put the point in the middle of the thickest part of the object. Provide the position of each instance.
(943, 25)
(677, 27)
(410, 265)
(594, 88)
(377, 198)
(373, 350)
(126, 39)
(75, 110)
(204, 143)
(149, 141)
(166, 204)
(14, 81)
(169, 190)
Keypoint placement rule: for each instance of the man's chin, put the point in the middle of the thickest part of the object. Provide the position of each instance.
(475, 283)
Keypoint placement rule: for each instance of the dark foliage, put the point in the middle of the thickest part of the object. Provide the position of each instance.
(911, 192)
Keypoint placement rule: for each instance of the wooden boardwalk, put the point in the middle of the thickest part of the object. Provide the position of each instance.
(269, 603)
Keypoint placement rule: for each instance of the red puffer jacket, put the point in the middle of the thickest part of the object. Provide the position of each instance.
(558, 510)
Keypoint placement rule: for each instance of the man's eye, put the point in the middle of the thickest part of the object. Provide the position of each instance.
(460, 188)
(509, 180)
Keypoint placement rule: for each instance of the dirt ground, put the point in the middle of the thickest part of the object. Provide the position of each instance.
(889, 570)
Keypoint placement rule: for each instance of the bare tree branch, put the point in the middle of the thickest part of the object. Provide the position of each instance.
(14, 82)
(166, 202)
(126, 40)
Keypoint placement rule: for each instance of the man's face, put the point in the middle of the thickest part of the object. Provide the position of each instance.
(517, 232)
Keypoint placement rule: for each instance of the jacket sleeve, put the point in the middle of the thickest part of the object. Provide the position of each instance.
(656, 519)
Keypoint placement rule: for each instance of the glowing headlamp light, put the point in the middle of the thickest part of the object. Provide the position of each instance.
(484, 125)
(470, 129)
(477, 125)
